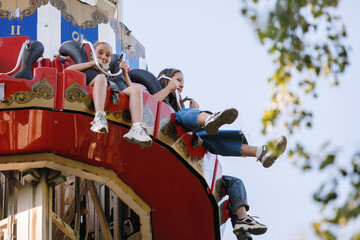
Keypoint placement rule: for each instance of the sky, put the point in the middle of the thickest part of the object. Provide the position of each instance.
(224, 66)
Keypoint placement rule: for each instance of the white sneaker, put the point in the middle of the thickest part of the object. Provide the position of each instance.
(139, 136)
(216, 120)
(100, 125)
(249, 225)
(269, 155)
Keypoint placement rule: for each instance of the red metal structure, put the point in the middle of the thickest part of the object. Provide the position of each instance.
(44, 123)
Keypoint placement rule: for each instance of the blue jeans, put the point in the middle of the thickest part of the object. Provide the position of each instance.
(235, 188)
(224, 142)
(188, 118)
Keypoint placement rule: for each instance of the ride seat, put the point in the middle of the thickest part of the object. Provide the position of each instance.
(9, 52)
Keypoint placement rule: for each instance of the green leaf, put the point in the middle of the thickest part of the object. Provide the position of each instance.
(330, 159)
(244, 11)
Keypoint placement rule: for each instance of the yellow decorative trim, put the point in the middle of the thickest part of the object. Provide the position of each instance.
(82, 18)
(97, 17)
(77, 93)
(197, 161)
(168, 129)
(33, 5)
(121, 114)
(181, 146)
(40, 89)
(168, 135)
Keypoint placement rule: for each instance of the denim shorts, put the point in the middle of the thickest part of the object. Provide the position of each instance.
(188, 118)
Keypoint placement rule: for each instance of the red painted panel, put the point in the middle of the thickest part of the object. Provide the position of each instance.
(181, 206)
(9, 52)
(179, 200)
(165, 113)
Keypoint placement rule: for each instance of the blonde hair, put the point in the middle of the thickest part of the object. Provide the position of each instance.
(100, 42)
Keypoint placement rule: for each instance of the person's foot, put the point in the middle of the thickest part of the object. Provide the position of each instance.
(268, 155)
(138, 135)
(99, 124)
(249, 225)
(216, 120)
(244, 236)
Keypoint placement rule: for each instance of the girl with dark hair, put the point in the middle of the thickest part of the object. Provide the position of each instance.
(226, 142)
(191, 118)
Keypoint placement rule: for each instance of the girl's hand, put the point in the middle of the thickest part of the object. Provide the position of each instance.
(93, 64)
(123, 66)
(194, 104)
(173, 85)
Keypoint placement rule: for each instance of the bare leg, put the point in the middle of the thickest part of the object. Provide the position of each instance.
(248, 151)
(137, 133)
(202, 117)
(99, 85)
(241, 212)
(99, 92)
(135, 102)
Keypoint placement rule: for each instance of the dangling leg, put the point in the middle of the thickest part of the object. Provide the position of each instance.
(242, 223)
(99, 84)
(196, 120)
(138, 133)
(266, 155)
(212, 122)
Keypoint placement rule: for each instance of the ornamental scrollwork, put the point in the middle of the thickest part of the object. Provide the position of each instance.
(183, 148)
(77, 93)
(126, 115)
(40, 89)
(197, 161)
(122, 114)
(148, 116)
(169, 130)
(97, 16)
(33, 5)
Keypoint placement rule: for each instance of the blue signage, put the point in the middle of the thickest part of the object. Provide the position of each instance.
(69, 32)
(133, 63)
(25, 27)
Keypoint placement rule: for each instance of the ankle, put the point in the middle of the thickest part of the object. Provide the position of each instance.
(136, 124)
(100, 112)
(258, 152)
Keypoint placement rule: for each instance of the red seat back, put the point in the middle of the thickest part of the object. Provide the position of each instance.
(9, 52)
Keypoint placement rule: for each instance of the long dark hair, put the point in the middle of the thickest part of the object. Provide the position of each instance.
(170, 72)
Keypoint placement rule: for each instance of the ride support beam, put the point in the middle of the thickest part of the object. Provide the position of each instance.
(34, 210)
(105, 229)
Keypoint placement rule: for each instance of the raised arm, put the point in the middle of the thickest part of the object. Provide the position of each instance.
(81, 66)
(124, 68)
(162, 94)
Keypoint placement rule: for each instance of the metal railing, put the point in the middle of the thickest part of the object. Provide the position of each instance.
(21, 53)
(177, 94)
(109, 74)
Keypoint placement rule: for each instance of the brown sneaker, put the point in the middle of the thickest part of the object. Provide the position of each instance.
(216, 120)
(269, 155)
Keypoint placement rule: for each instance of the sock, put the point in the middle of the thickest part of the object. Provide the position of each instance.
(207, 118)
(137, 124)
(258, 152)
(101, 112)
